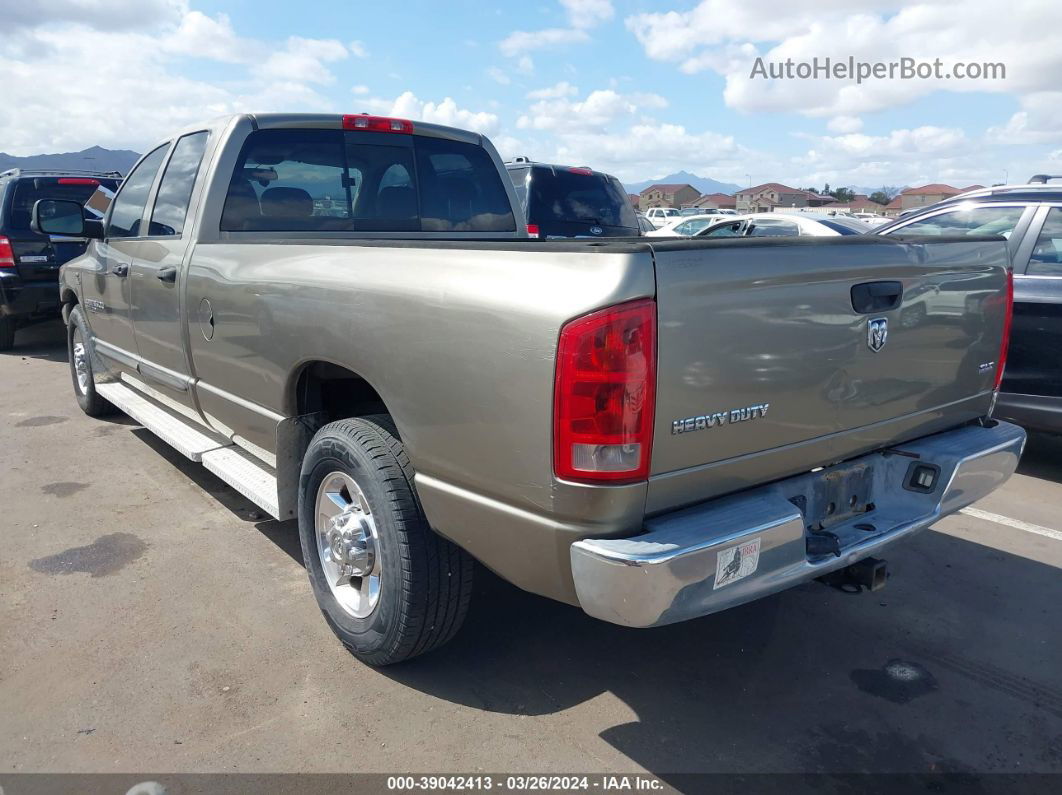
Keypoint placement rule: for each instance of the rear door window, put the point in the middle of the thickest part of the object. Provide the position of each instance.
(28, 190)
(984, 220)
(175, 190)
(334, 180)
(771, 228)
(1046, 258)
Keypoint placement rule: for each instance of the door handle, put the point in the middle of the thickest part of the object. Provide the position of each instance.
(121, 269)
(167, 274)
(876, 296)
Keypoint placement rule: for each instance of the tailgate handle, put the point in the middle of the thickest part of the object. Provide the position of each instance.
(876, 296)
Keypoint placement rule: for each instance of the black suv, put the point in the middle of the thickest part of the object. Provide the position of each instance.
(1030, 218)
(29, 262)
(562, 201)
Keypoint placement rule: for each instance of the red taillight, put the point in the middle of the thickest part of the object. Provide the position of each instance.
(7, 254)
(532, 230)
(377, 124)
(604, 399)
(1008, 319)
(78, 181)
(581, 170)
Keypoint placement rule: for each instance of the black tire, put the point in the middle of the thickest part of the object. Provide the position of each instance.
(87, 398)
(425, 580)
(7, 333)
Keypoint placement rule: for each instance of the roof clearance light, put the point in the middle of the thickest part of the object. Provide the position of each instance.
(377, 124)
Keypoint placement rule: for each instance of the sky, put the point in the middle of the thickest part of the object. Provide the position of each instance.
(638, 88)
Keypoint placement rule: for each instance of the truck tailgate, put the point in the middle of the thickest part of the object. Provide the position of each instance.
(768, 363)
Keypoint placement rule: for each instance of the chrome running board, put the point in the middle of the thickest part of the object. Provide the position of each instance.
(250, 477)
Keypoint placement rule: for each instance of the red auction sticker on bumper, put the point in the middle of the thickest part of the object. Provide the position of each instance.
(737, 562)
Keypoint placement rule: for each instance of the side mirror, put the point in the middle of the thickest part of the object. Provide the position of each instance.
(63, 217)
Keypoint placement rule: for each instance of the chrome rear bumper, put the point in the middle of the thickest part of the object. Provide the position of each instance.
(669, 573)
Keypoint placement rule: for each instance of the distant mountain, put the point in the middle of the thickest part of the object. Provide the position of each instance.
(95, 158)
(703, 184)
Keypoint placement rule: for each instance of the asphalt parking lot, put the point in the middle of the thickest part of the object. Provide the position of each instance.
(150, 619)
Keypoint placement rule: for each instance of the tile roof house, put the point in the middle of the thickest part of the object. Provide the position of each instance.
(668, 194)
(930, 194)
(716, 201)
(635, 199)
(774, 196)
(861, 203)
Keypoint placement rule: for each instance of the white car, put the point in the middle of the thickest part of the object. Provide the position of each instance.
(658, 216)
(872, 219)
(686, 225)
(784, 225)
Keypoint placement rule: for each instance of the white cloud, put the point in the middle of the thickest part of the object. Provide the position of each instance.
(726, 38)
(588, 13)
(358, 49)
(110, 15)
(359, 90)
(205, 37)
(561, 89)
(132, 95)
(522, 41)
(524, 65)
(303, 60)
(498, 76)
(408, 106)
(845, 124)
(1038, 121)
(600, 109)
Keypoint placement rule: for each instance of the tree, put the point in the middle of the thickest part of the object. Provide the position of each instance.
(843, 195)
(880, 197)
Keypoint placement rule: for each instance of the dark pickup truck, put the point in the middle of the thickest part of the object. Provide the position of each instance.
(29, 261)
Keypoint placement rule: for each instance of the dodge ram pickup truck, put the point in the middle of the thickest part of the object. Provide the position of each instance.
(341, 317)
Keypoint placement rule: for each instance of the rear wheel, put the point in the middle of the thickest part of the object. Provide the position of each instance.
(80, 354)
(388, 585)
(7, 333)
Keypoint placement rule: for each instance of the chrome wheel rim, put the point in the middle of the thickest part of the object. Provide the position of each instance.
(81, 365)
(348, 544)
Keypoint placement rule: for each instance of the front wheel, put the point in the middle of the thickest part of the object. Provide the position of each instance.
(388, 585)
(79, 350)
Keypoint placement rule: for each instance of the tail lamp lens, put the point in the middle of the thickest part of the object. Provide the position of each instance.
(605, 395)
(1008, 319)
(7, 254)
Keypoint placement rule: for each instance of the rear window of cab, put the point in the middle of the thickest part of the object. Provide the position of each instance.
(28, 190)
(336, 180)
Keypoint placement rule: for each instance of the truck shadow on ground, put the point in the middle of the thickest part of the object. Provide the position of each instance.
(951, 668)
(810, 680)
(45, 340)
(1042, 457)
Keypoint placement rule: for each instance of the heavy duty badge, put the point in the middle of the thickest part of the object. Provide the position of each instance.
(728, 417)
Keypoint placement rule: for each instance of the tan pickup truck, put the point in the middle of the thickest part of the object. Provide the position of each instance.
(341, 316)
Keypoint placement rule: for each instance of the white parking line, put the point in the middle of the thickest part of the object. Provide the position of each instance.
(1017, 524)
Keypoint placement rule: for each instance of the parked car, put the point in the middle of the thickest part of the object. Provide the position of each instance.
(1030, 218)
(29, 262)
(653, 430)
(645, 226)
(686, 225)
(872, 219)
(784, 225)
(659, 216)
(566, 201)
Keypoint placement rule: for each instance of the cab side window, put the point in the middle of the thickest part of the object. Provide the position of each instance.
(175, 190)
(986, 220)
(128, 209)
(1046, 259)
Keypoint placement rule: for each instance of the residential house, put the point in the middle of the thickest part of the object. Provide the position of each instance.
(664, 194)
(635, 200)
(716, 201)
(773, 196)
